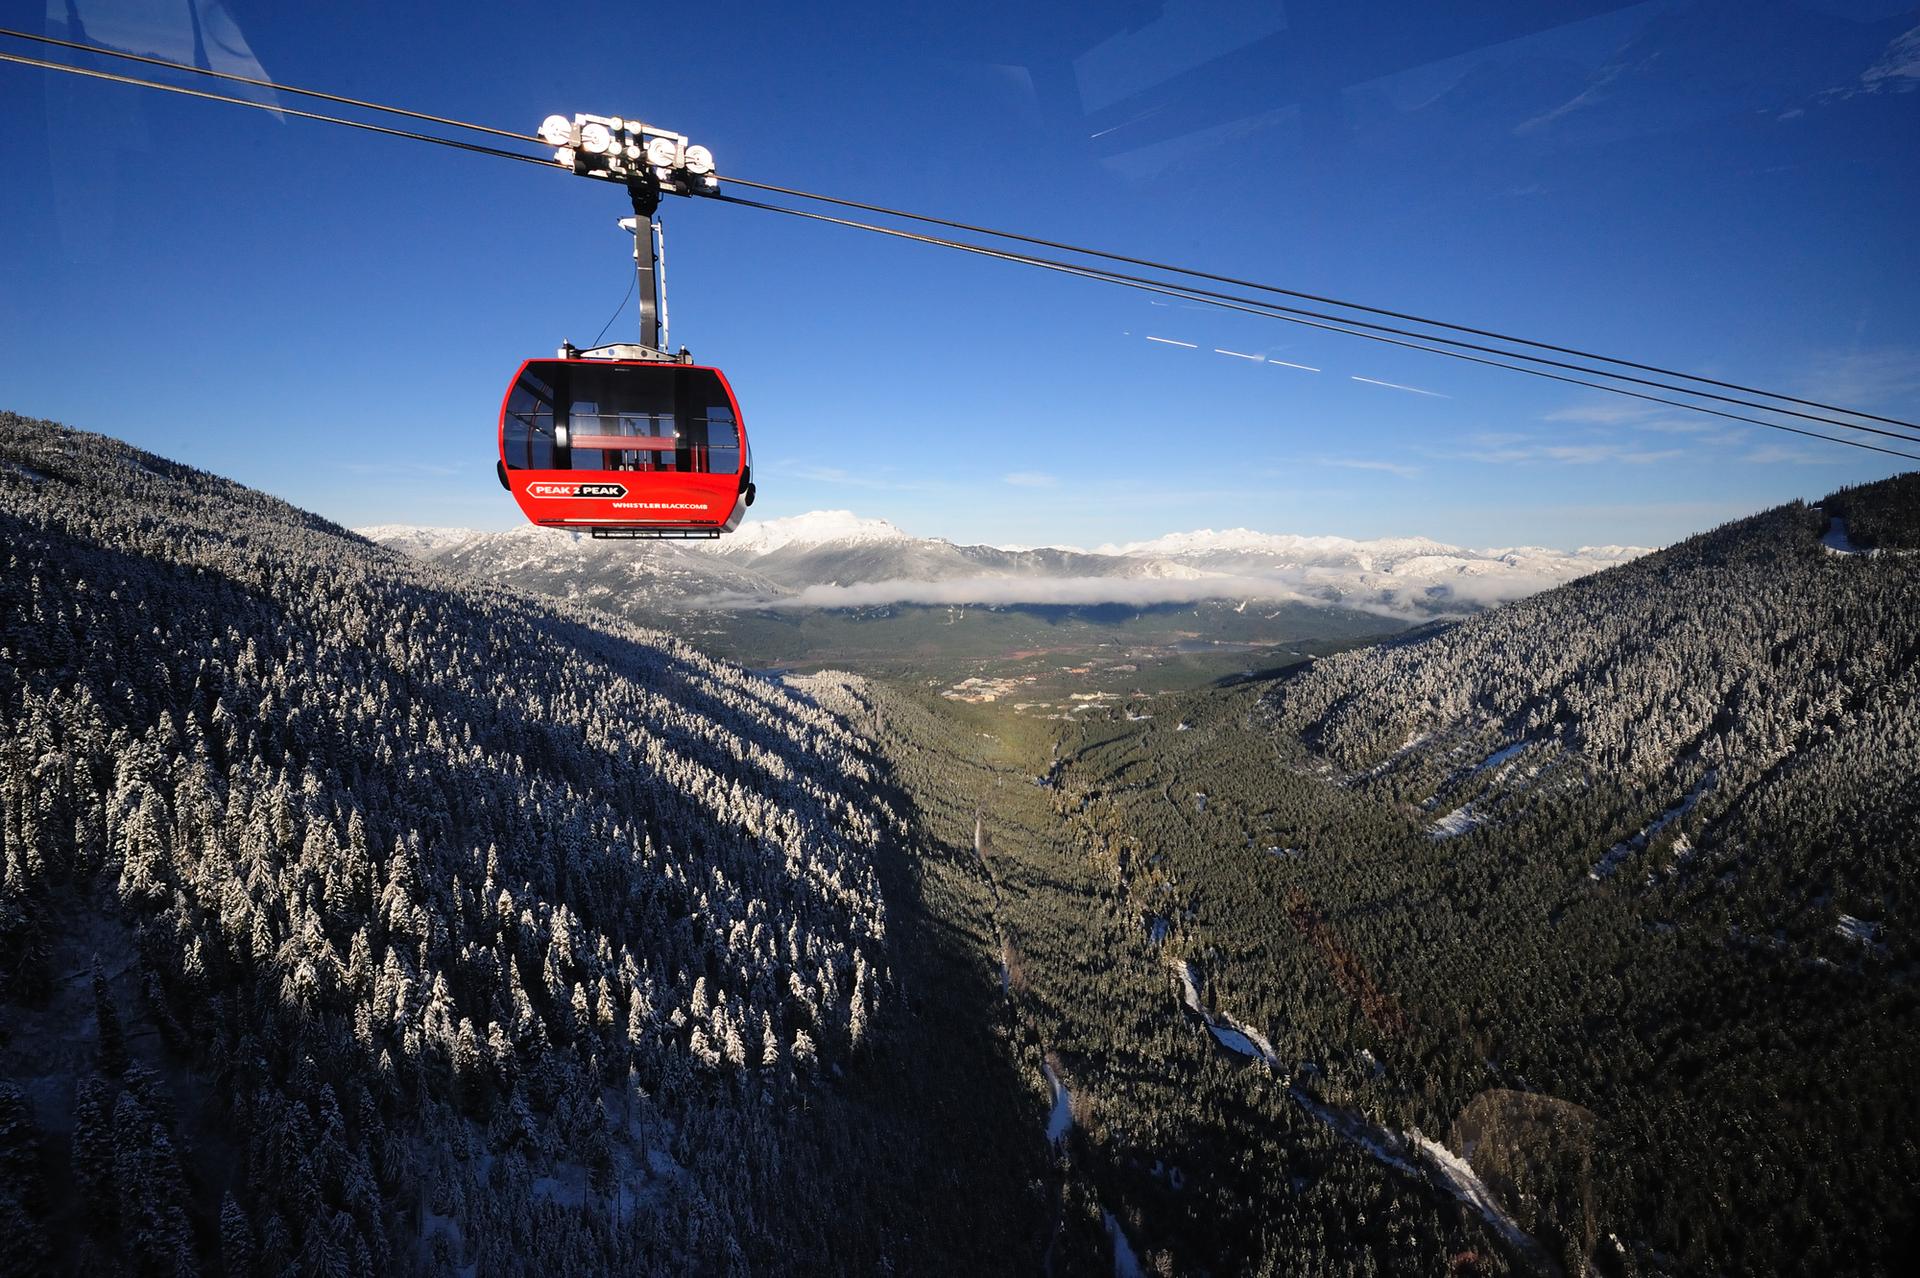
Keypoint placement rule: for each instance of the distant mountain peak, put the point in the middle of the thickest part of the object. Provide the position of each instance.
(815, 528)
(419, 540)
(817, 558)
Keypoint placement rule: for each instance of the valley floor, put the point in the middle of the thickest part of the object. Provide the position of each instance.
(1172, 1150)
(1269, 1023)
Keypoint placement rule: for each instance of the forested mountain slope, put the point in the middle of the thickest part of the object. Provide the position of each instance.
(1748, 685)
(1606, 897)
(1644, 849)
(355, 918)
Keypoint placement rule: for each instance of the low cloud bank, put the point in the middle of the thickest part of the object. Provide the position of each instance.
(1376, 593)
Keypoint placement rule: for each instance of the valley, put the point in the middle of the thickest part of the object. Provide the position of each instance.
(829, 589)
(484, 927)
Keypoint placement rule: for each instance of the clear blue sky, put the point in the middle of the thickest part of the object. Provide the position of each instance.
(1727, 187)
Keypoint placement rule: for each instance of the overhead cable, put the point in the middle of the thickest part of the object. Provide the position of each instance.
(1205, 294)
(1194, 273)
(91, 74)
(1432, 343)
(1289, 315)
(277, 87)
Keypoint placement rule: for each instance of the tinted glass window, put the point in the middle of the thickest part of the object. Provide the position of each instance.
(623, 417)
(528, 439)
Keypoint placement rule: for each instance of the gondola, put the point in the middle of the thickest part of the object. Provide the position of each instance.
(633, 447)
(628, 440)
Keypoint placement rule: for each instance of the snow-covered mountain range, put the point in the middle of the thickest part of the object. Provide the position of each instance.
(834, 558)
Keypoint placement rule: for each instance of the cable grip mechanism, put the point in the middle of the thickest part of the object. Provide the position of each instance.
(616, 149)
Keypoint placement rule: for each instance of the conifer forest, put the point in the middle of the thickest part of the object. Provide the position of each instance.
(364, 915)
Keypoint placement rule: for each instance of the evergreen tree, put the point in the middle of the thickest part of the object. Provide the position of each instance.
(112, 1040)
(236, 1238)
(23, 1192)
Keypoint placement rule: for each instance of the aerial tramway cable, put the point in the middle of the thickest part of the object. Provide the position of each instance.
(91, 74)
(1334, 301)
(1294, 317)
(171, 65)
(1344, 324)
(1208, 295)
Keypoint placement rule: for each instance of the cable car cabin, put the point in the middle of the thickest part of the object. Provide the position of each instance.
(625, 448)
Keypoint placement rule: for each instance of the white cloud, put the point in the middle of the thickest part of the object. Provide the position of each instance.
(1601, 414)
(1870, 378)
(1709, 431)
(1031, 479)
(1002, 591)
(837, 475)
(1499, 450)
(1401, 469)
(1897, 71)
(1419, 598)
(1768, 454)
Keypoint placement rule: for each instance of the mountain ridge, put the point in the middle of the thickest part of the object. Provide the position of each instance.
(839, 559)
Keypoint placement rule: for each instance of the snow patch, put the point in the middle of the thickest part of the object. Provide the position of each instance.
(1860, 931)
(1410, 1152)
(1125, 1263)
(1435, 1163)
(1240, 1038)
(1189, 988)
(1462, 819)
(1615, 856)
(1836, 540)
(1465, 1184)
(1060, 1119)
(1231, 1034)
(1499, 756)
(1376, 1140)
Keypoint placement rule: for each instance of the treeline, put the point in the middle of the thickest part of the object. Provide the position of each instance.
(1881, 516)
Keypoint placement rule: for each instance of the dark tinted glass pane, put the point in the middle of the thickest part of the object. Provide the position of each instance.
(528, 443)
(678, 418)
(707, 419)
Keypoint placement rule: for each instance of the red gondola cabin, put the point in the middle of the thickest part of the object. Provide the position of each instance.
(640, 448)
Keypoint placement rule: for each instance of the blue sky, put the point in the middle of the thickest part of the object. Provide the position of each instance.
(1724, 187)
